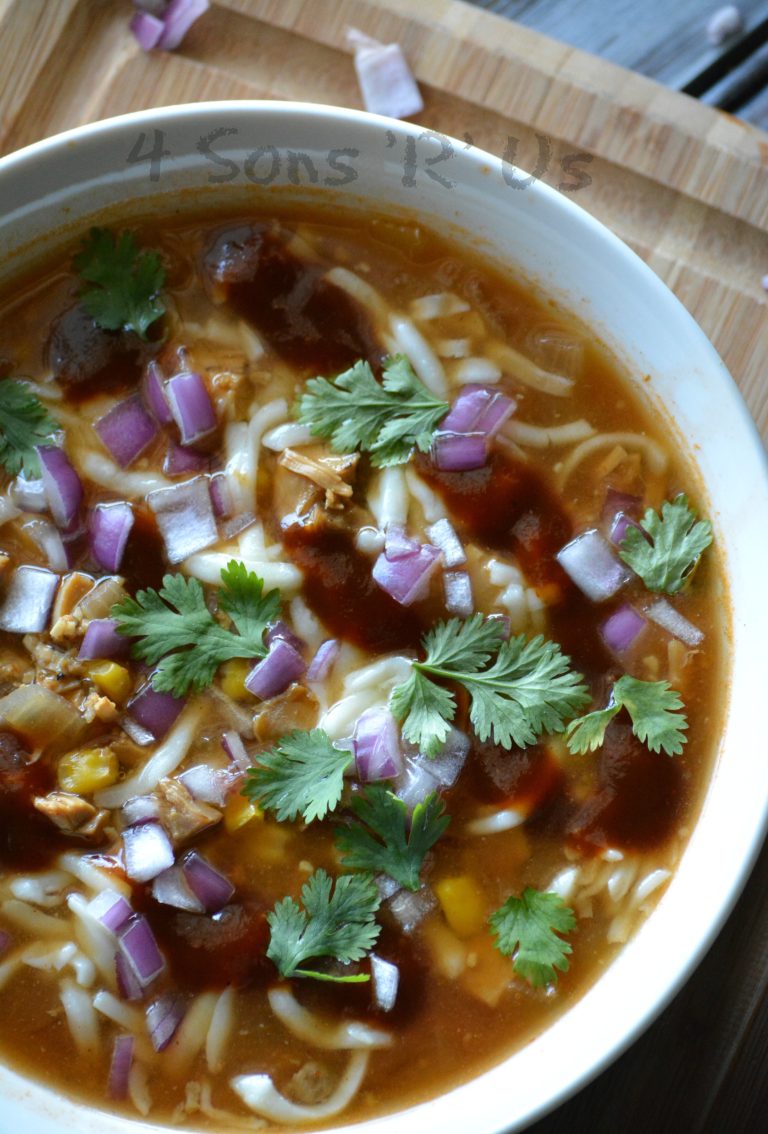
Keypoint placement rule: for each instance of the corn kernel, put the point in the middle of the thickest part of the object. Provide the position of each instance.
(233, 675)
(88, 770)
(462, 905)
(239, 811)
(111, 679)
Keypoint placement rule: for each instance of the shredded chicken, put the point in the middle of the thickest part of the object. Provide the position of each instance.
(334, 474)
(181, 815)
(72, 814)
(296, 708)
(67, 621)
(96, 707)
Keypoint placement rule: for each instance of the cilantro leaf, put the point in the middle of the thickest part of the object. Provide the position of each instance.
(527, 689)
(390, 846)
(126, 282)
(340, 925)
(678, 541)
(527, 929)
(24, 424)
(175, 628)
(302, 773)
(654, 708)
(386, 419)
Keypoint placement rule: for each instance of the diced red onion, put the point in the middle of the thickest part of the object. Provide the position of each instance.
(212, 888)
(386, 81)
(29, 495)
(63, 489)
(110, 525)
(442, 535)
(140, 809)
(103, 640)
(221, 494)
(478, 410)
(232, 743)
(665, 615)
(178, 18)
(147, 851)
(415, 783)
(209, 785)
(136, 732)
(407, 580)
(385, 978)
(324, 660)
(120, 1068)
(185, 517)
(397, 545)
(620, 526)
(616, 501)
(591, 564)
(378, 755)
(155, 711)
(153, 388)
(180, 460)
(147, 29)
(28, 600)
(111, 910)
(137, 944)
(232, 527)
(191, 406)
(171, 889)
(126, 430)
(447, 765)
(410, 909)
(622, 628)
(458, 593)
(48, 539)
(459, 452)
(282, 630)
(505, 623)
(280, 668)
(128, 984)
(163, 1018)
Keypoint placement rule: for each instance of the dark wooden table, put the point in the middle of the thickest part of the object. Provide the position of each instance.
(665, 40)
(702, 1068)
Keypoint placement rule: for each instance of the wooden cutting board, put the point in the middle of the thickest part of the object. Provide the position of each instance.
(686, 186)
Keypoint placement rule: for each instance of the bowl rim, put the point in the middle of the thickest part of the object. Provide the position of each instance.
(753, 833)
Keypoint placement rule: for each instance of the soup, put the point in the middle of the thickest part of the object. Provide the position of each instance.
(359, 663)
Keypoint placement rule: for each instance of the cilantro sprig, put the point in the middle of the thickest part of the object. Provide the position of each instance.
(175, 628)
(655, 709)
(303, 774)
(526, 690)
(24, 424)
(527, 929)
(393, 843)
(385, 419)
(678, 541)
(336, 921)
(126, 282)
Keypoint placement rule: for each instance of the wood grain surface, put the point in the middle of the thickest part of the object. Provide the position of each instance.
(685, 185)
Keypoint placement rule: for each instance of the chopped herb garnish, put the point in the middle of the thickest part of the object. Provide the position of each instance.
(303, 774)
(393, 843)
(127, 282)
(175, 628)
(386, 419)
(678, 541)
(339, 925)
(654, 708)
(24, 424)
(527, 930)
(527, 689)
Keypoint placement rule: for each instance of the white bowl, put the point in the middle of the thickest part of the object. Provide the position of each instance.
(217, 152)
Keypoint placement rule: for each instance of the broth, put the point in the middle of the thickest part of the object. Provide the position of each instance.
(252, 310)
